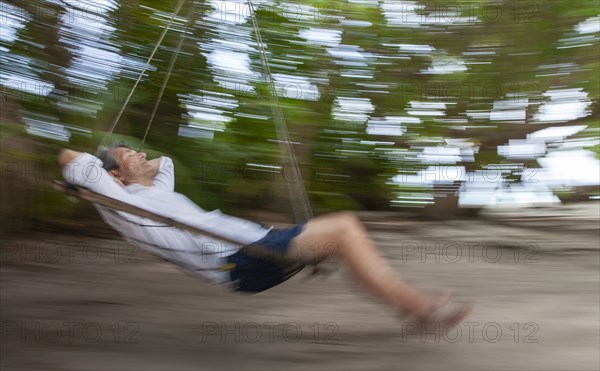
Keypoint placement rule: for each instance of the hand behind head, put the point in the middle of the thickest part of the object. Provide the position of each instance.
(116, 179)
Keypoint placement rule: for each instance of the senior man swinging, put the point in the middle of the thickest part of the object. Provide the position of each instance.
(121, 173)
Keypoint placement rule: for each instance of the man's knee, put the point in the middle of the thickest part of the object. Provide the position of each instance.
(348, 220)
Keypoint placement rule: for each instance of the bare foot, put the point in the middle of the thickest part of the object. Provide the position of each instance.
(437, 309)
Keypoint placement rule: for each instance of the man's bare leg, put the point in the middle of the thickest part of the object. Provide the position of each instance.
(342, 234)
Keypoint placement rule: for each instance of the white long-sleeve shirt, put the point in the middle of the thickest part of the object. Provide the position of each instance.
(199, 254)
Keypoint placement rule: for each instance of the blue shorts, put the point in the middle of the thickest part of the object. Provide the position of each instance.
(257, 273)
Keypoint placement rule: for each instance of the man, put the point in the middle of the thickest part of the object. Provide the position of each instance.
(126, 175)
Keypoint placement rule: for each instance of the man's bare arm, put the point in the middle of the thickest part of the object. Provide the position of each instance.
(67, 155)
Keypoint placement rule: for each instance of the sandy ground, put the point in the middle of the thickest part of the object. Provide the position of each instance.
(78, 303)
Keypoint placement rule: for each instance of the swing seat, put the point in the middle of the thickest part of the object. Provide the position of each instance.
(74, 191)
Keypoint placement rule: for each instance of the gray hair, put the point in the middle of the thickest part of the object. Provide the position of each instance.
(106, 155)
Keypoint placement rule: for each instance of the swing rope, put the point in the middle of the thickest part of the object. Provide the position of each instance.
(301, 207)
(190, 18)
(160, 40)
(300, 203)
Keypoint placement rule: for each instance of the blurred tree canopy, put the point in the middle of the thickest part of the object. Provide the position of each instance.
(373, 93)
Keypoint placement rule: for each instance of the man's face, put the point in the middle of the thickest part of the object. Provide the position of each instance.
(132, 165)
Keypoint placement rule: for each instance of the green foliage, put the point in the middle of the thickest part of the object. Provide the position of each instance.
(512, 50)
